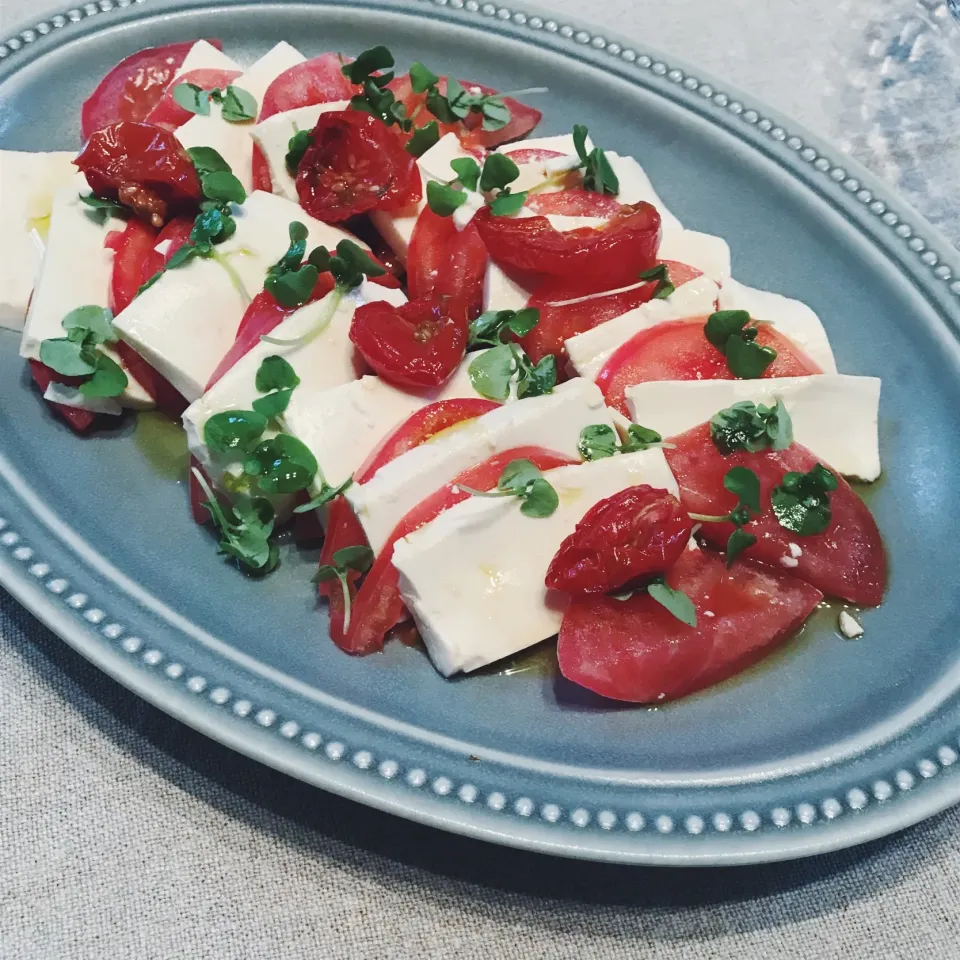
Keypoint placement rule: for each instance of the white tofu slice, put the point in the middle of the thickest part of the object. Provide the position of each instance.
(28, 182)
(589, 351)
(834, 415)
(343, 426)
(397, 228)
(473, 577)
(322, 364)
(792, 318)
(534, 174)
(232, 140)
(205, 56)
(185, 323)
(72, 397)
(75, 272)
(273, 137)
(502, 292)
(709, 254)
(553, 421)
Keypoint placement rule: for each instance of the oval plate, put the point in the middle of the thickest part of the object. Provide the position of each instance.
(827, 744)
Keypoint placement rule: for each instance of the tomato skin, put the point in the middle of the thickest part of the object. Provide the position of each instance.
(846, 561)
(134, 262)
(168, 399)
(134, 86)
(638, 532)
(137, 155)
(262, 316)
(635, 650)
(379, 606)
(261, 171)
(319, 80)
(420, 427)
(414, 346)
(447, 265)
(558, 324)
(177, 231)
(678, 350)
(603, 259)
(169, 114)
(78, 420)
(355, 164)
(532, 154)
(575, 202)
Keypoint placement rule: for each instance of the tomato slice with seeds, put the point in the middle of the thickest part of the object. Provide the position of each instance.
(846, 560)
(447, 265)
(637, 533)
(134, 261)
(355, 164)
(603, 259)
(420, 427)
(637, 651)
(169, 114)
(575, 202)
(414, 346)
(78, 420)
(379, 606)
(319, 80)
(262, 316)
(560, 320)
(143, 166)
(134, 86)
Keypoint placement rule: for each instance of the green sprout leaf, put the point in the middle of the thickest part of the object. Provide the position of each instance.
(223, 187)
(751, 428)
(468, 172)
(96, 324)
(67, 357)
(236, 105)
(801, 503)
(192, 98)
(539, 500)
(108, 379)
(664, 287)
(640, 438)
(423, 139)
(443, 198)
(325, 496)
(297, 146)
(744, 484)
(489, 328)
(292, 289)
(534, 381)
(675, 601)
(491, 373)
(731, 333)
(282, 464)
(507, 204)
(498, 171)
(422, 79)
(207, 160)
(275, 373)
(233, 431)
(103, 206)
(598, 174)
(597, 441)
(737, 542)
(369, 63)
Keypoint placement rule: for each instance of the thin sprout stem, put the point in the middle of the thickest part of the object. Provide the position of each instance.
(332, 301)
(213, 504)
(345, 587)
(520, 93)
(232, 273)
(484, 493)
(706, 518)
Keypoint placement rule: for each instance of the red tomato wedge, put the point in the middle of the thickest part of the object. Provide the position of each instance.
(637, 533)
(447, 265)
(524, 154)
(846, 560)
(559, 323)
(415, 346)
(145, 166)
(319, 80)
(355, 164)
(134, 261)
(602, 259)
(343, 530)
(261, 316)
(177, 231)
(420, 427)
(134, 86)
(168, 399)
(379, 606)
(169, 114)
(575, 202)
(678, 350)
(635, 650)
(261, 171)
(79, 421)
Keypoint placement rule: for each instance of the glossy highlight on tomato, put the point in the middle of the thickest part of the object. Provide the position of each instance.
(414, 346)
(678, 350)
(355, 164)
(636, 650)
(134, 86)
(379, 606)
(846, 561)
(600, 259)
(636, 533)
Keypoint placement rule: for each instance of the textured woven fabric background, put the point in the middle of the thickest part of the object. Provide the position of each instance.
(126, 836)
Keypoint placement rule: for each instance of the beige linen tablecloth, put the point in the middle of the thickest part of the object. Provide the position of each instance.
(126, 836)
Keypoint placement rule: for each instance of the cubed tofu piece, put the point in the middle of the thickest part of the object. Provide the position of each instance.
(232, 140)
(553, 421)
(834, 415)
(184, 324)
(792, 318)
(473, 578)
(589, 351)
(28, 183)
(75, 272)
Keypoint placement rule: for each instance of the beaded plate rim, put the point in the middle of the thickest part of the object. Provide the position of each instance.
(327, 759)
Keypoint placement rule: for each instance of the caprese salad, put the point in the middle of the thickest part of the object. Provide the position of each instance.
(520, 397)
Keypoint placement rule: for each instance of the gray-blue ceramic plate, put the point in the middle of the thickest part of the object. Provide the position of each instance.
(827, 744)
